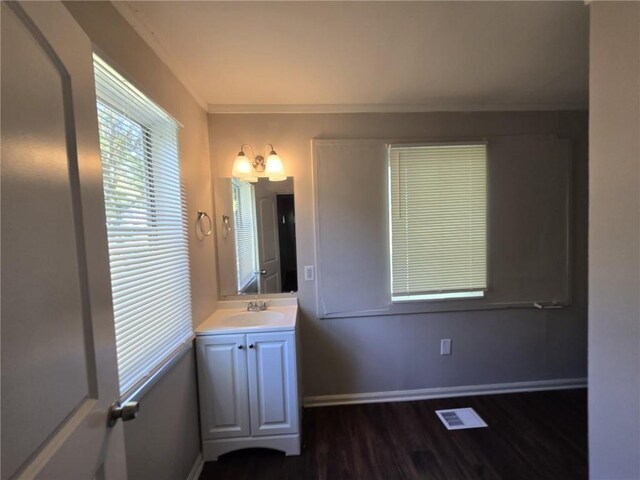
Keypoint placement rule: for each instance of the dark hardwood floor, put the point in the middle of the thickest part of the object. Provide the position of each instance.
(541, 435)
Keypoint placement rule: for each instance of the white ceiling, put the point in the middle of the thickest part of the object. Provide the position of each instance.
(371, 56)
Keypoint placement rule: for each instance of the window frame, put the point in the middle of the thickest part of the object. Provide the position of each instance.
(360, 156)
(153, 121)
(475, 296)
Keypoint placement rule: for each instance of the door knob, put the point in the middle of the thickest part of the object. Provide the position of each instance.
(127, 411)
(260, 272)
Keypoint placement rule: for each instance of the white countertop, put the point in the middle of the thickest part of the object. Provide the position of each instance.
(219, 322)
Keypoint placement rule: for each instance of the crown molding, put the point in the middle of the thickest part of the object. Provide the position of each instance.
(388, 108)
(128, 12)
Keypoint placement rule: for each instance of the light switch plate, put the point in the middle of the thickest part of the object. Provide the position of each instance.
(309, 273)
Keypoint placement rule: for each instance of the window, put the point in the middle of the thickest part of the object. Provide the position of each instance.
(438, 221)
(245, 232)
(146, 228)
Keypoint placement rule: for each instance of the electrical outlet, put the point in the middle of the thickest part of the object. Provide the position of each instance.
(445, 346)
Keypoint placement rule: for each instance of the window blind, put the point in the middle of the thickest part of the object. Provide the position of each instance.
(245, 232)
(438, 222)
(146, 227)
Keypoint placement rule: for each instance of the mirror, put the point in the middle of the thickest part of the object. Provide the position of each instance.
(256, 236)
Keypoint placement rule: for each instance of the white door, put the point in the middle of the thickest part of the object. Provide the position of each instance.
(222, 378)
(272, 379)
(59, 373)
(268, 243)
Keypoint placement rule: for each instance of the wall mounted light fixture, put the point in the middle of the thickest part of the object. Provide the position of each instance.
(250, 170)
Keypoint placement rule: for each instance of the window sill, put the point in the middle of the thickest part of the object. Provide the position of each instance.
(140, 390)
(444, 306)
(432, 297)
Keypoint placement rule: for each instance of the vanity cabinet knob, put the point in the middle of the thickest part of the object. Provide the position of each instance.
(240, 347)
(251, 346)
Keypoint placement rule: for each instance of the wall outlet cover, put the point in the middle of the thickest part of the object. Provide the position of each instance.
(309, 273)
(445, 346)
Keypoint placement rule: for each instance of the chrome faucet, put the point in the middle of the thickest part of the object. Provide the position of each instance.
(256, 306)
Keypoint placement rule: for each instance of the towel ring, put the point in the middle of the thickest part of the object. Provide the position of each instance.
(202, 215)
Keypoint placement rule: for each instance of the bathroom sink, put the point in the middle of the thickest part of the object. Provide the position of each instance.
(252, 319)
(233, 317)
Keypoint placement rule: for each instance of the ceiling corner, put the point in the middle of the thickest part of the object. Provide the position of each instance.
(128, 12)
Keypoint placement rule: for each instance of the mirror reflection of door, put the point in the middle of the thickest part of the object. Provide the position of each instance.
(268, 245)
(287, 241)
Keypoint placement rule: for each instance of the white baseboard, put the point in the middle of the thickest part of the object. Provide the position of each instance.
(444, 392)
(196, 470)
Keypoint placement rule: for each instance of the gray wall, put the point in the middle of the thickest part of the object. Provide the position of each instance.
(164, 442)
(614, 236)
(386, 353)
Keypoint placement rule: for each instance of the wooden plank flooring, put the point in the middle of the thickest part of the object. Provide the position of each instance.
(541, 435)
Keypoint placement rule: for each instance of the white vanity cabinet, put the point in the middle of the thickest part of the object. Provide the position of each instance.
(248, 390)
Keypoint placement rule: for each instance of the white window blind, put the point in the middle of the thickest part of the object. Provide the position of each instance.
(438, 221)
(245, 232)
(146, 227)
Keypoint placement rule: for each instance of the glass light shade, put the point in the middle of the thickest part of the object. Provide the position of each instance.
(274, 169)
(243, 169)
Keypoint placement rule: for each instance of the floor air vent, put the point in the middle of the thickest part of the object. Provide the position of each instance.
(460, 418)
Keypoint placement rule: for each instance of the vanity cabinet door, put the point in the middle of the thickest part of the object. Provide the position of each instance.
(272, 383)
(222, 375)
